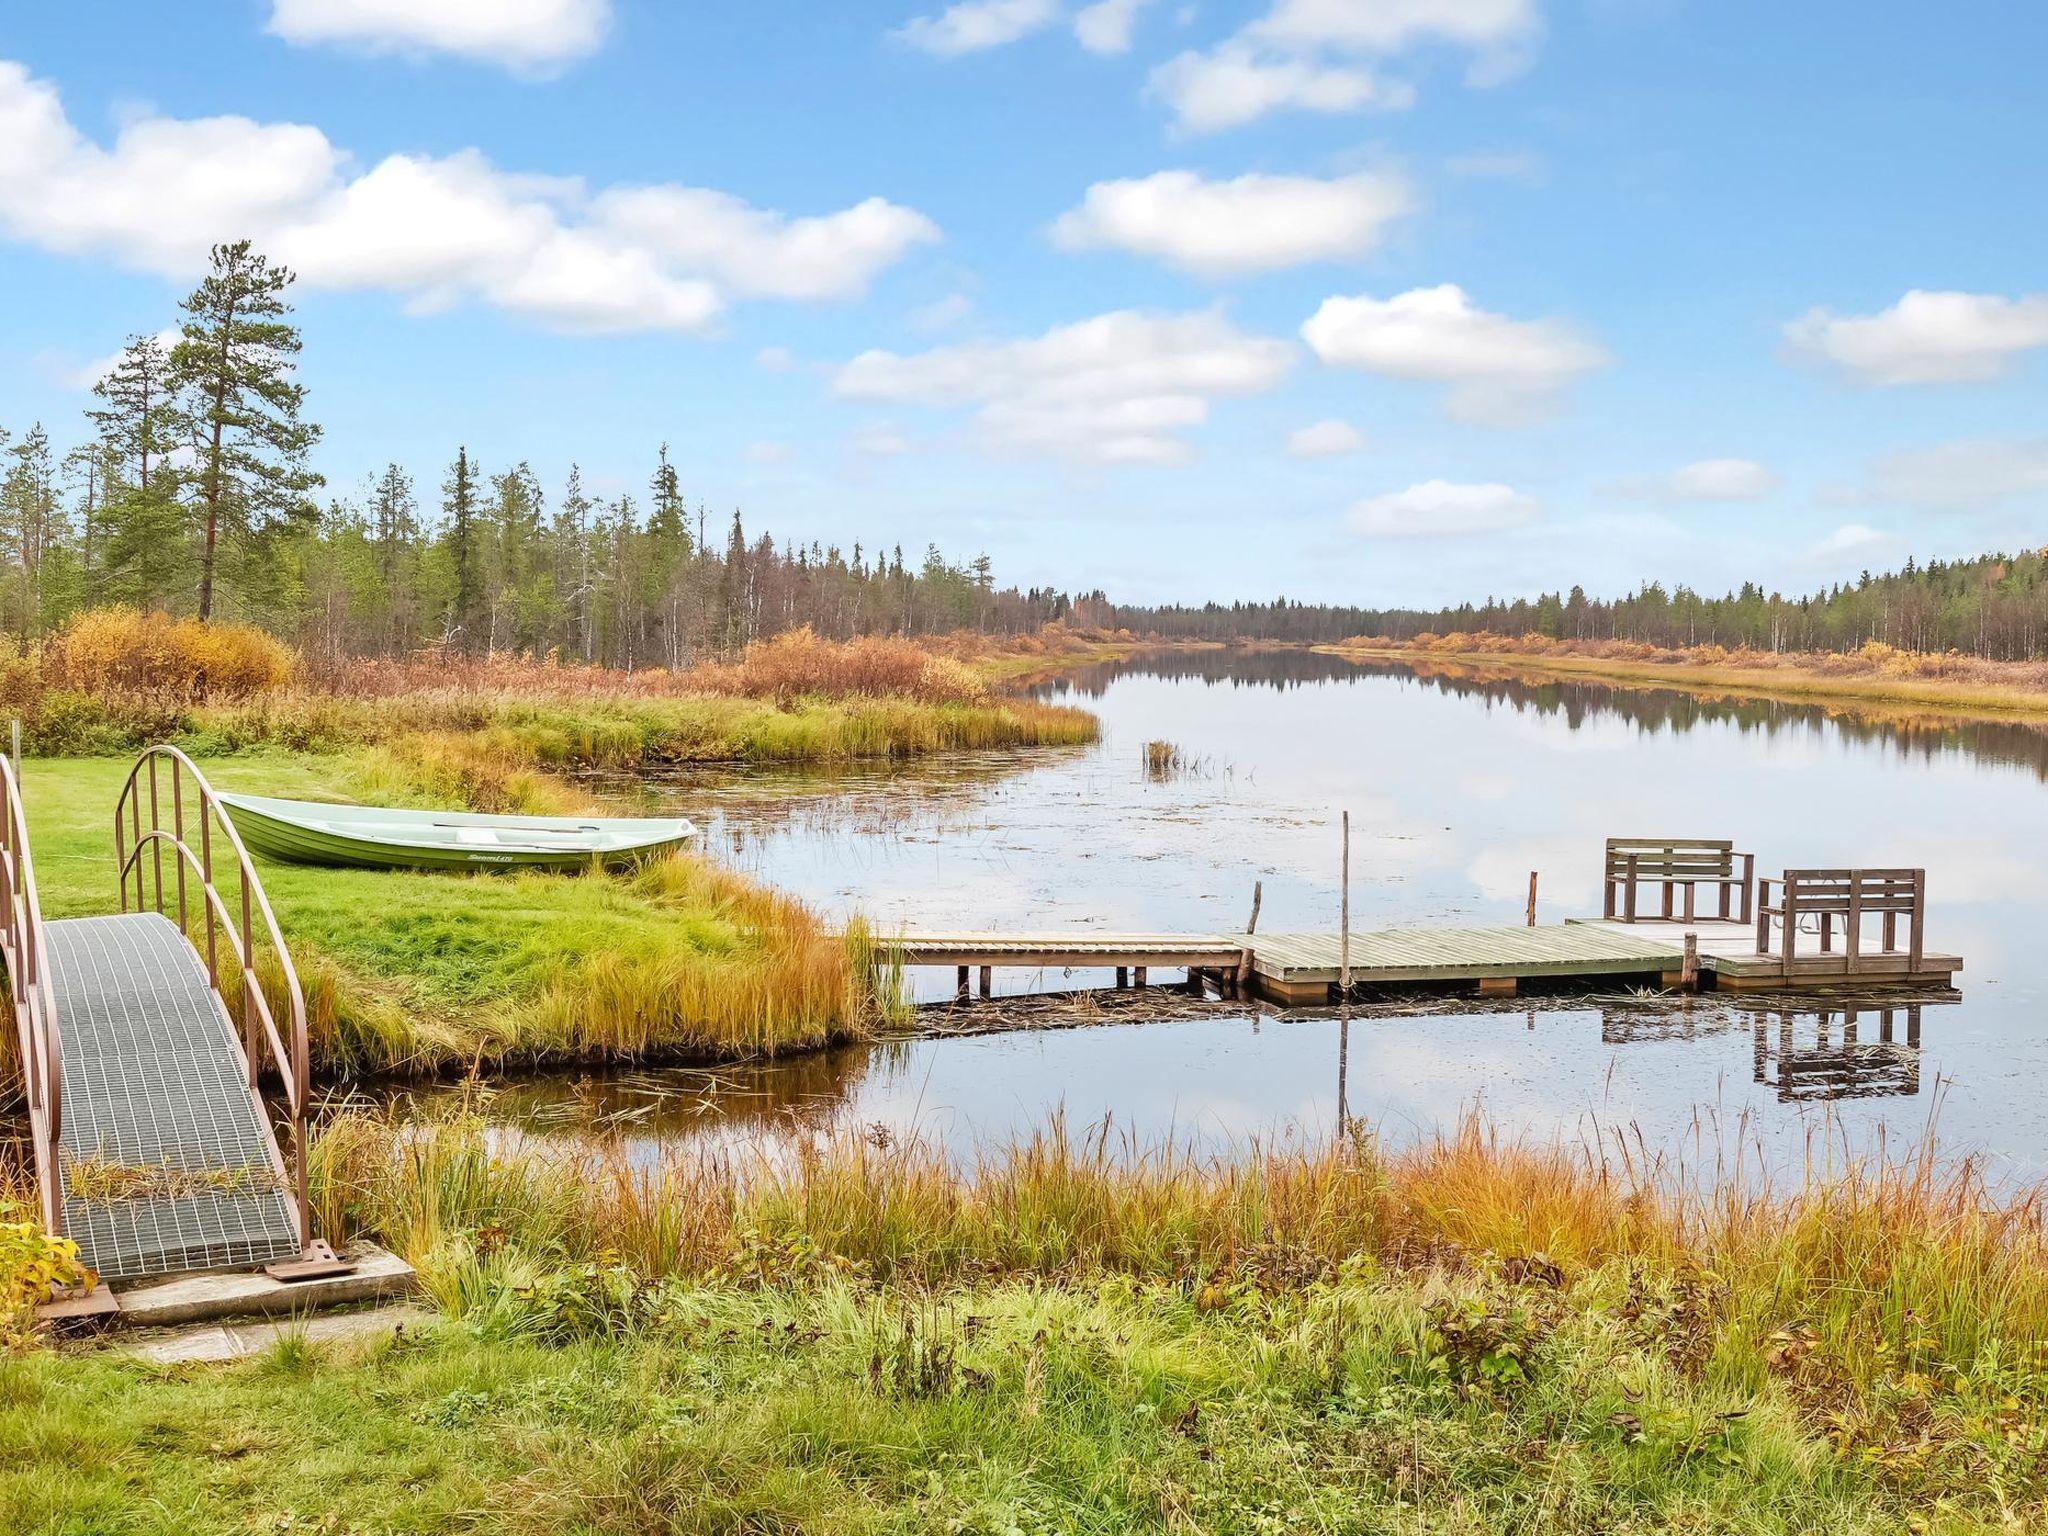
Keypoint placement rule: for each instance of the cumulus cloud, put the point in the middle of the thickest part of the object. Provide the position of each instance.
(1437, 509)
(437, 230)
(1248, 224)
(1124, 387)
(1926, 338)
(1969, 476)
(1501, 371)
(1319, 56)
(526, 36)
(1230, 86)
(1105, 27)
(1853, 542)
(1706, 480)
(1325, 440)
(974, 25)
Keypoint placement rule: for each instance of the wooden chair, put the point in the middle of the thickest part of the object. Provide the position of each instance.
(1851, 895)
(1677, 864)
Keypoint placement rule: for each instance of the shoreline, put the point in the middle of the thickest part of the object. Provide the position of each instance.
(1790, 685)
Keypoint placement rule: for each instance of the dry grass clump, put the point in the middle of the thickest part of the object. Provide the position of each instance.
(151, 660)
(798, 664)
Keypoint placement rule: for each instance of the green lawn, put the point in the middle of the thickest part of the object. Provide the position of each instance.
(420, 970)
(1357, 1407)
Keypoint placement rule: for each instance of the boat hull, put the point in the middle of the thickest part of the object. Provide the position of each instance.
(266, 830)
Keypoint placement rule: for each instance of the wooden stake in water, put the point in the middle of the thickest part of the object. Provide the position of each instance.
(1258, 895)
(1344, 917)
(1532, 898)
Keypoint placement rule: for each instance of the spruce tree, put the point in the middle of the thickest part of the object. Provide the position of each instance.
(233, 364)
(458, 501)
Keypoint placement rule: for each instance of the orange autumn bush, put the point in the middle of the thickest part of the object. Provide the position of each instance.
(152, 660)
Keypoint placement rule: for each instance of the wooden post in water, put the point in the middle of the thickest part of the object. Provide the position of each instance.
(987, 979)
(1532, 898)
(1344, 917)
(960, 990)
(1689, 970)
(1123, 976)
(1138, 977)
(1258, 895)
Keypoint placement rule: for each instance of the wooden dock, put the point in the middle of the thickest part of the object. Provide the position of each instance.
(1302, 969)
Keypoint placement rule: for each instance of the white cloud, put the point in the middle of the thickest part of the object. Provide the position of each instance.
(527, 36)
(1105, 27)
(769, 453)
(435, 230)
(833, 256)
(1308, 55)
(1967, 476)
(775, 360)
(973, 25)
(1439, 509)
(942, 314)
(1926, 338)
(1124, 387)
(86, 375)
(1249, 224)
(1230, 86)
(1705, 480)
(1853, 542)
(1325, 440)
(1501, 371)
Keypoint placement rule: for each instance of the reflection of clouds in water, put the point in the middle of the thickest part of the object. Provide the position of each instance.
(1457, 790)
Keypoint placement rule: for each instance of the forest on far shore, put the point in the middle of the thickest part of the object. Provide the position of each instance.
(190, 493)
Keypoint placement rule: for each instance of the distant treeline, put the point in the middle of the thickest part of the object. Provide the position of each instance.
(1994, 606)
(190, 493)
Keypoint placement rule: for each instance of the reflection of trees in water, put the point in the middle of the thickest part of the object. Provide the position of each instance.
(668, 1104)
(1803, 1050)
(1654, 711)
(1249, 668)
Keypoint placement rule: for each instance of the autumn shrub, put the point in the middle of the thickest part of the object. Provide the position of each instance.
(32, 1265)
(127, 656)
(799, 664)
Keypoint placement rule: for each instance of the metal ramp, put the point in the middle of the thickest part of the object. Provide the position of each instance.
(166, 1157)
(154, 1150)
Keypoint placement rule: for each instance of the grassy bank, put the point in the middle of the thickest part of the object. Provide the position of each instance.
(1876, 674)
(419, 972)
(1471, 1337)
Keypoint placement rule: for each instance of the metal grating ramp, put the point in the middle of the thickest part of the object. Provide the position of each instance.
(155, 1100)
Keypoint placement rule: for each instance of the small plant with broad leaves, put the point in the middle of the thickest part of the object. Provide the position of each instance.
(33, 1265)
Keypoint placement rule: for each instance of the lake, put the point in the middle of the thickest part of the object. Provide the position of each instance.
(1457, 786)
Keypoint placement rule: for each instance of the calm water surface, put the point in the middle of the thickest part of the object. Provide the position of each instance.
(1457, 789)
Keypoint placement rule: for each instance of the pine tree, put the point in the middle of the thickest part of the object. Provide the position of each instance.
(234, 363)
(28, 494)
(394, 538)
(458, 502)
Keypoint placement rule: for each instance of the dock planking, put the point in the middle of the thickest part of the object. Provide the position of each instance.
(1304, 968)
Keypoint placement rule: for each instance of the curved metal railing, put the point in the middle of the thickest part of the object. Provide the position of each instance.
(142, 844)
(28, 982)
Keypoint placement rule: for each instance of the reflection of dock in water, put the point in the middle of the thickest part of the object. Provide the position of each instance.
(1849, 1053)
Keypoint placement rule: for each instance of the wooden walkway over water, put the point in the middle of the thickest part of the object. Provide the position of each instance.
(1303, 969)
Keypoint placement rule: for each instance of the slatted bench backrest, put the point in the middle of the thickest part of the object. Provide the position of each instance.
(1653, 859)
(1863, 890)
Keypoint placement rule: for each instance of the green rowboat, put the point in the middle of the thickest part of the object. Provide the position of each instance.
(377, 837)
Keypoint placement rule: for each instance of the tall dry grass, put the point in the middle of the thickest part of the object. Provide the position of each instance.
(1853, 1265)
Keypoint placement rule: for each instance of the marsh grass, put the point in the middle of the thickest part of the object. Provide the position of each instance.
(1476, 1329)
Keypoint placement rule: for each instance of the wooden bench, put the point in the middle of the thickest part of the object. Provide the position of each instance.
(1677, 864)
(1849, 895)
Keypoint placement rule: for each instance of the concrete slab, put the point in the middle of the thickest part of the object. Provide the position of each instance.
(214, 1343)
(208, 1298)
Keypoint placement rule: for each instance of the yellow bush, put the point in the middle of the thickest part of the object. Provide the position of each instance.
(32, 1265)
(124, 653)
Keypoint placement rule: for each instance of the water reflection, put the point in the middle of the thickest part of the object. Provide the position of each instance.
(1458, 784)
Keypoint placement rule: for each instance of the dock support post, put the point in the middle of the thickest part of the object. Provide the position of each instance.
(1123, 976)
(1498, 986)
(1344, 927)
(987, 979)
(1244, 971)
(1138, 977)
(960, 989)
(1532, 898)
(1689, 973)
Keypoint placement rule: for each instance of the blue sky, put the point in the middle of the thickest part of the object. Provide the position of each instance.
(1361, 300)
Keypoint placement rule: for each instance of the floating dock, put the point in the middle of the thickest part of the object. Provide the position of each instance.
(1304, 969)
